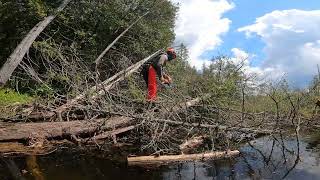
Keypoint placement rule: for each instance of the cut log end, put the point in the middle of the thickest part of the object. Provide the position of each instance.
(152, 160)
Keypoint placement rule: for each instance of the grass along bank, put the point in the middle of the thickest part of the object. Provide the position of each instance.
(10, 100)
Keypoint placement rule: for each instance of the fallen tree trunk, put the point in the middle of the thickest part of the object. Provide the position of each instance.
(149, 160)
(50, 130)
(18, 54)
(107, 84)
(120, 76)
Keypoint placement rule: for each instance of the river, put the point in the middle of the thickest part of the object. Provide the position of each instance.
(263, 158)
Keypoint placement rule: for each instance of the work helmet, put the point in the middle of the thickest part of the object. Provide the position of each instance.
(171, 53)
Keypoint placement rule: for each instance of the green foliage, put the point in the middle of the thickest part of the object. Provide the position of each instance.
(63, 55)
(224, 80)
(44, 92)
(183, 75)
(10, 97)
(134, 90)
(38, 6)
(10, 101)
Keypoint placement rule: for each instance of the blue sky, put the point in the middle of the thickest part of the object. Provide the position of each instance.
(260, 29)
(246, 12)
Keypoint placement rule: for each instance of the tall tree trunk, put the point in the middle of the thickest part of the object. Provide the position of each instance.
(16, 57)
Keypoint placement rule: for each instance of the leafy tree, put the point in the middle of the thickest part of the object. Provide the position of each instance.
(63, 55)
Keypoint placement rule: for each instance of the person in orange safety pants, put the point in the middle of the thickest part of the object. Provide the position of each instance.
(153, 68)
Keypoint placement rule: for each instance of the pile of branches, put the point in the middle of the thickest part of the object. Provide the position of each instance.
(104, 114)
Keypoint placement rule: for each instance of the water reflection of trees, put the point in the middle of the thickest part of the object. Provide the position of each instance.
(272, 158)
(284, 154)
(266, 158)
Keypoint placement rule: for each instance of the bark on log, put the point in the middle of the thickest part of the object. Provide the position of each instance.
(149, 160)
(107, 84)
(18, 54)
(24, 131)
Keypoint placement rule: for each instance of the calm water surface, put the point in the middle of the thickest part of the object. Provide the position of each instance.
(264, 158)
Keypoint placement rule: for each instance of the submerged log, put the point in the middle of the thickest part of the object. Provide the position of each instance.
(149, 160)
(48, 130)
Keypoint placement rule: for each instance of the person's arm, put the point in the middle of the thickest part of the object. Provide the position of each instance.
(159, 68)
(167, 77)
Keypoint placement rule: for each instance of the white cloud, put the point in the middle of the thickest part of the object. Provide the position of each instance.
(200, 26)
(292, 43)
(260, 74)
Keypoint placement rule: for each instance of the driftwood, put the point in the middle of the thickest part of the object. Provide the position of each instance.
(18, 54)
(152, 160)
(50, 130)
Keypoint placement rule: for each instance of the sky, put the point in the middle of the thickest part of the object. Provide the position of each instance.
(278, 38)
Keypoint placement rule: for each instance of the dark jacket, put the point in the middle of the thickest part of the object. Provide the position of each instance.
(157, 63)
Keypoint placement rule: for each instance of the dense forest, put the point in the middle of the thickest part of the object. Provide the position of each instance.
(70, 74)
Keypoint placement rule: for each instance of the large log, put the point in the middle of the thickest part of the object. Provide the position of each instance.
(48, 130)
(149, 160)
(16, 57)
